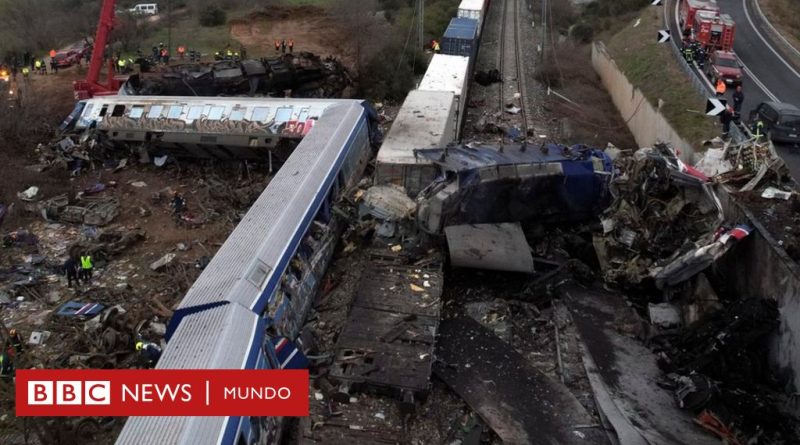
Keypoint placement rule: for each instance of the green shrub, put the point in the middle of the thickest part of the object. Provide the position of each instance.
(582, 32)
(212, 16)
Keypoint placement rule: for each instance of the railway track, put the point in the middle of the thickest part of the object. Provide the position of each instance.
(510, 65)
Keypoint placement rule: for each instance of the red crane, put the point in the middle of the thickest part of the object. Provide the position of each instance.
(91, 86)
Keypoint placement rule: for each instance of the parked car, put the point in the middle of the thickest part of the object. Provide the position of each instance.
(145, 9)
(724, 65)
(69, 57)
(781, 121)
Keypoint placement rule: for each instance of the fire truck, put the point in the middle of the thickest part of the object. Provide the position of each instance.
(713, 31)
(688, 9)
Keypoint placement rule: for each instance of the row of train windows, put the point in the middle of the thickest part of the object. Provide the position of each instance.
(211, 112)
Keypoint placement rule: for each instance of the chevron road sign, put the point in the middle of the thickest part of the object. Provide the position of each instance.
(715, 106)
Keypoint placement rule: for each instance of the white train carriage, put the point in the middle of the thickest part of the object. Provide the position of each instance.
(214, 127)
(272, 262)
(225, 337)
(473, 9)
(257, 289)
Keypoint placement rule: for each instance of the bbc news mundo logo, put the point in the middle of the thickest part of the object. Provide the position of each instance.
(162, 392)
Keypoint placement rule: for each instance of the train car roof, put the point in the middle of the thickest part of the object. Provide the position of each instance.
(472, 5)
(259, 249)
(422, 122)
(446, 73)
(225, 337)
(127, 99)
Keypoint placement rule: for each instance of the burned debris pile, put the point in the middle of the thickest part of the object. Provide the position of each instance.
(305, 74)
(717, 368)
(658, 212)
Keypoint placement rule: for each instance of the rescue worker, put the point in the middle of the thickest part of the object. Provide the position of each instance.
(435, 46)
(283, 46)
(738, 100)
(726, 117)
(71, 271)
(277, 46)
(721, 87)
(14, 341)
(291, 45)
(121, 65)
(178, 205)
(758, 129)
(688, 53)
(53, 65)
(6, 367)
(181, 51)
(150, 352)
(38, 65)
(164, 56)
(86, 267)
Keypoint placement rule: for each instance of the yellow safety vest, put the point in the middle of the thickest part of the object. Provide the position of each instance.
(86, 262)
(38, 64)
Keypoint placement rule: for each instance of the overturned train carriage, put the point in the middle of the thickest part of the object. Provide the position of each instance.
(551, 183)
(232, 128)
(266, 272)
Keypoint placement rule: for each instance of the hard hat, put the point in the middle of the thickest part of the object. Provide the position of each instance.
(139, 345)
(12, 332)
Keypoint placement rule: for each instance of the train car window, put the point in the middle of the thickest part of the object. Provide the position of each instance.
(258, 274)
(136, 112)
(103, 110)
(237, 114)
(283, 114)
(175, 112)
(303, 116)
(119, 110)
(195, 112)
(259, 114)
(155, 111)
(215, 113)
(242, 440)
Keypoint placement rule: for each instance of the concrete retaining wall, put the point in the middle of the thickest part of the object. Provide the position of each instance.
(647, 124)
(759, 267)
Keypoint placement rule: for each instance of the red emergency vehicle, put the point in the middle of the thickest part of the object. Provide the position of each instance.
(688, 9)
(713, 31)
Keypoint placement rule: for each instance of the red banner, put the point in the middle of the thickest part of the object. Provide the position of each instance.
(137, 392)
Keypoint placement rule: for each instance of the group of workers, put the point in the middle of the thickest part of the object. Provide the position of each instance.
(79, 269)
(281, 45)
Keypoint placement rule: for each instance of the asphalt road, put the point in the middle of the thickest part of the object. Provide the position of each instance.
(766, 61)
(769, 73)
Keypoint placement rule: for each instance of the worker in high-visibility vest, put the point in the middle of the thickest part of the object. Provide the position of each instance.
(758, 129)
(86, 267)
(38, 65)
(6, 366)
(121, 65)
(181, 51)
(721, 87)
(52, 53)
(150, 352)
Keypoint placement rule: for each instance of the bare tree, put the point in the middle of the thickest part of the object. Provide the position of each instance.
(361, 19)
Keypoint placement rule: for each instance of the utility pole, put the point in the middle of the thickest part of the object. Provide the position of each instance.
(169, 27)
(421, 25)
(544, 29)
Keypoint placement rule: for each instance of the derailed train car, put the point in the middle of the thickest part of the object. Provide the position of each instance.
(257, 290)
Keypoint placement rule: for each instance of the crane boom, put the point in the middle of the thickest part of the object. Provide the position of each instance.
(91, 86)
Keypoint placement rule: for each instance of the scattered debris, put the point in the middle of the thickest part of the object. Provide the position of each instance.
(163, 261)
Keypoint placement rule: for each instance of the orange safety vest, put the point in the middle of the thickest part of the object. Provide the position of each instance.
(52, 53)
(721, 88)
(181, 49)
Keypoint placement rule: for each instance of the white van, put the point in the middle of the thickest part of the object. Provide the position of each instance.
(145, 9)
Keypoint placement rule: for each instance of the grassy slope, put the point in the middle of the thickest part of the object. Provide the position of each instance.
(784, 16)
(653, 69)
(187, 31)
